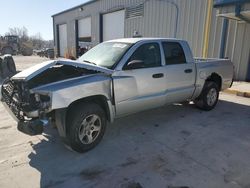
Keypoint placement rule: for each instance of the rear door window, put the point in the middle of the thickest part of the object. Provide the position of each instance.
(174, 53)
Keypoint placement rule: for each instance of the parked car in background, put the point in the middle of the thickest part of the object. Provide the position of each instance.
(113, 79)
(46, 52)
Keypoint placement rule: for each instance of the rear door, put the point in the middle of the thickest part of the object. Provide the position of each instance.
(140, 88)
(180, 74)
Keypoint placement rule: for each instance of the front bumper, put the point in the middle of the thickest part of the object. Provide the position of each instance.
(14, 108)
(31, 128)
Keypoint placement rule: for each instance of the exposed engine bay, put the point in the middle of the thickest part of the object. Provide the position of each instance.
(58, 73)
(16, 93)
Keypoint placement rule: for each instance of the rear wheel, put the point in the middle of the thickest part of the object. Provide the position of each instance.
(86, 125)
(209, 96)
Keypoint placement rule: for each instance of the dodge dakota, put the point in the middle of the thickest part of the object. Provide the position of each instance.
(114, 79)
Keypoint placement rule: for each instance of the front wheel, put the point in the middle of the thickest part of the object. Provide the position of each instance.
(209, 96)
(87, 124)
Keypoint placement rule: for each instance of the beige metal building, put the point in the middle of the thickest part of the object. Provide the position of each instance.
(212, 28)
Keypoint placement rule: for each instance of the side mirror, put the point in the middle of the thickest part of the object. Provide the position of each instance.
(135, 64)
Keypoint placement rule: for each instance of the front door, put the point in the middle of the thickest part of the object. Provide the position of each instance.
(142, 87)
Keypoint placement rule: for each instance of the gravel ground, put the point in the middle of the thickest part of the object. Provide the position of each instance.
(174, 146)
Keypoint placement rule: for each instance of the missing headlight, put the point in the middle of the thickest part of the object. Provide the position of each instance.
(44, 98)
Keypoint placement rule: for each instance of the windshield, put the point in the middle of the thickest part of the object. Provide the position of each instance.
(105, 54)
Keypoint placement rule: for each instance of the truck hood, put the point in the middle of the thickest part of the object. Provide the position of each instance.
(31, 72)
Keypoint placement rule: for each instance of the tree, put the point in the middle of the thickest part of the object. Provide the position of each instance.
(37, 41)
(22, 33)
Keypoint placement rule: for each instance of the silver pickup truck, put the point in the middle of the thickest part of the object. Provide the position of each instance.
(113, 79)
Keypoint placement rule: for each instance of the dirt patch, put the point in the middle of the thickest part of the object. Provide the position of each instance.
(132, 184)
(160, 165)
(156, 125)
(130, 161)
(91, 174)
(185, 133)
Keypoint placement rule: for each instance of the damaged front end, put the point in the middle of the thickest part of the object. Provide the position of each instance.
(28, 109)
(33, 95)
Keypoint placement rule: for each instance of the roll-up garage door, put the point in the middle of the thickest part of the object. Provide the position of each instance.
(84, 30)
(63, 39)
(113, 25)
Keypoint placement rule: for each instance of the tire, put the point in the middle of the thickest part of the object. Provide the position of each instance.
(5, 72)
(86, 124)
(10, 64)
(209, 96)
(1, 70)
(7, 50)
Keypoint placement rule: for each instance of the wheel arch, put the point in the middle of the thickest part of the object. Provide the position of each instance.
(101, 100)
(62, 115)
(215, 77)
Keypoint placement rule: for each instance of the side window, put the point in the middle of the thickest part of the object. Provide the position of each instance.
(149, 54)
(174, 53)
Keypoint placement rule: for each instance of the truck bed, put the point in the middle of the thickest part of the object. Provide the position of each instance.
(201, 60)
(223, 67)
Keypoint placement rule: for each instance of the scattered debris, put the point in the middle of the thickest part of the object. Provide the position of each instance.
(31, 143)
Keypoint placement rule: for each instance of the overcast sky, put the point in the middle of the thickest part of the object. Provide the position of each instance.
(35, 15)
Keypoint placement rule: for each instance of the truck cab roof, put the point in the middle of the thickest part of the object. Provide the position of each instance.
(135, 40)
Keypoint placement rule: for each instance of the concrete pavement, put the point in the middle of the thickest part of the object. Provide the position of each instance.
(173, 146)
(240, 89)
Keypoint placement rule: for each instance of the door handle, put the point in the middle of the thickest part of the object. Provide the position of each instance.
(188, 71)
(159, 75)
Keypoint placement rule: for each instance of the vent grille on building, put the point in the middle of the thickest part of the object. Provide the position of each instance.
(135, 11)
